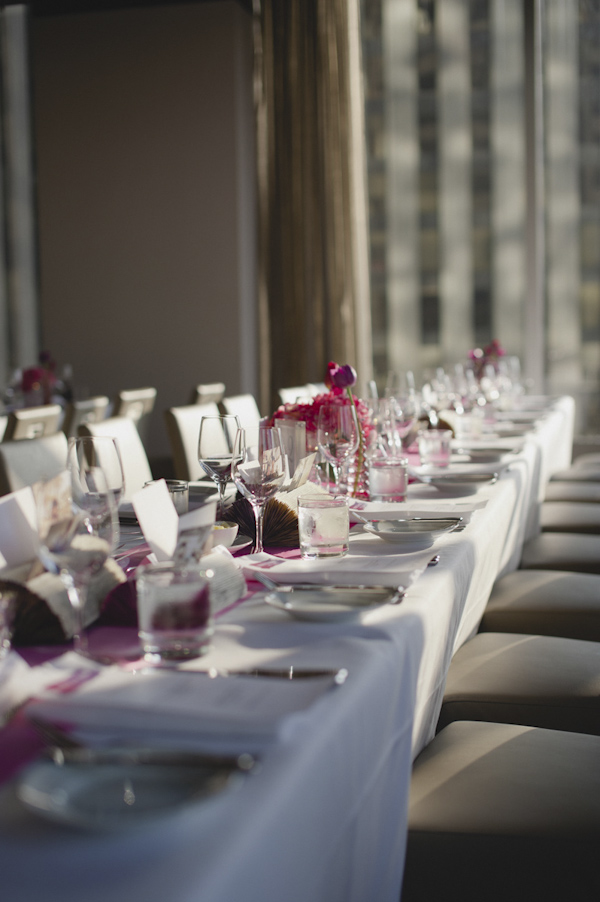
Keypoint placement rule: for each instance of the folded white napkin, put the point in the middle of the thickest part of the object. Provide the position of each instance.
(179, 709)
(382, 510)
(372, 564)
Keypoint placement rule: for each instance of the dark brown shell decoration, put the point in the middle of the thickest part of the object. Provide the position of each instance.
(280, 524)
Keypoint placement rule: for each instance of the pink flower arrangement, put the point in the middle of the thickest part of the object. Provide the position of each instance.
(339, 380)
(39, 382)
(489, 355)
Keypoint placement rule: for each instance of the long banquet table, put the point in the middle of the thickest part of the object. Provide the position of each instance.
(324, 818)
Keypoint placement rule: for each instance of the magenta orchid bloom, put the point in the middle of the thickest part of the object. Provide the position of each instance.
(340, 376)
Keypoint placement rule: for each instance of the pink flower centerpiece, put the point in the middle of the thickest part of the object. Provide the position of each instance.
(339, 380)
(489, 355)
(38, 382)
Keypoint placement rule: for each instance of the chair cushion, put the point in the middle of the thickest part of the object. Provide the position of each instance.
(589, 473)
(562, 551)
(502, 812)
(570, 516)
(547, 603)
(539, 681)
(591, 459)
(571, 490)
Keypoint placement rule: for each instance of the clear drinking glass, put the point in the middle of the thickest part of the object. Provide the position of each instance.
(78, 531)
(388, 478)
(258, 472)
(216, 451)
(434, 447)
(338, 435)
(174, 611)
(323, 526)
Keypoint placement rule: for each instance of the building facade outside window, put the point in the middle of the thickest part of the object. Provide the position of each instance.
(447, 84)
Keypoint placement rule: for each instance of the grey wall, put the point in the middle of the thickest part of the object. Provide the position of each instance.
(144, 140)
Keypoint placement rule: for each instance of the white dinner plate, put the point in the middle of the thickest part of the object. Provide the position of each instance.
(411, 535)
(519, 416)
(511, 429)
(481, 455)
(330, 604)
(115, 796)
(455, 483)
(240, 542)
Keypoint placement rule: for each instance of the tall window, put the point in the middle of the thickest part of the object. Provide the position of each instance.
(446, 84)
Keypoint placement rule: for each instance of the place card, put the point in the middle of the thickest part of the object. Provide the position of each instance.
(165, 531)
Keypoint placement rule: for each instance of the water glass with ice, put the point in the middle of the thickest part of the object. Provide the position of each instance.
(324, 526)
(434, 447)
(388, 478)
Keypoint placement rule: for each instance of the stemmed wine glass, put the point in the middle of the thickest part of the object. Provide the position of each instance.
(258, 472)
(216, 451)
(382, 434)
(406, 412)
(78, 527)
(99, 451)
(338, 435)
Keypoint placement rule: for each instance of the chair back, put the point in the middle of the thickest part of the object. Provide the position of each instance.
(137, 404)
(92, 410)
(183, 429)
(25, 461)
(33, 422)
(245, 408)
(291, 395)
(209, 393)
(136, 468)
(134, 403)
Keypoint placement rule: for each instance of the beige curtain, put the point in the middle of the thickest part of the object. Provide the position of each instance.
(313, 290)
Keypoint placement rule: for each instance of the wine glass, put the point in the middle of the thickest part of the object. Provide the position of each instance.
(382, 436)
(216, 451)
(89, 451)
(78, 527)
(258, 471)
(406, 413)
(338, 435)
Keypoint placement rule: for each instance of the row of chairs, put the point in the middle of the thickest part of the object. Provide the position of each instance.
(35, 422)
(37, 450)
(505, 801)
(183, 423)
(138, 404)
(35, 446)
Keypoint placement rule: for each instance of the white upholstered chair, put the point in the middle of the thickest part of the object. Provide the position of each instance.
(92, 410)
(25, 461)
(134, 403)
(500, 811)
(183, 429)
(297, 392)
(136, 468)
(138, 404)
(33, 422)
(207, 393)
(246, 410)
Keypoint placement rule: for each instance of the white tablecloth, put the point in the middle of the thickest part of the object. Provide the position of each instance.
(324, 819)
